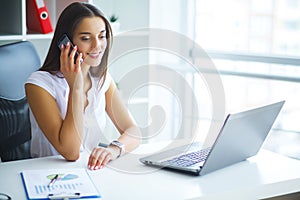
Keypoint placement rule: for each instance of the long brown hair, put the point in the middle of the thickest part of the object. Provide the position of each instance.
(69, 19)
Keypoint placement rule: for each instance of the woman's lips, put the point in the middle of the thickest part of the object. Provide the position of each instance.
(94, 55)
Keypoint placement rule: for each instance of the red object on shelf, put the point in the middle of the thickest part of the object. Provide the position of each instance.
(37, 17)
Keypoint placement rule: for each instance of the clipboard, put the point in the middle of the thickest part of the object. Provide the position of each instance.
(69, 184)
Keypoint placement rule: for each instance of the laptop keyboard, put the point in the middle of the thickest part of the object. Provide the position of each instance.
(190, 158)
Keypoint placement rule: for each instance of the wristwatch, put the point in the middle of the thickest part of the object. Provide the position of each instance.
(120, 146)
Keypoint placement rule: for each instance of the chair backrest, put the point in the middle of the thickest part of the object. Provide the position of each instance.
(17, 61)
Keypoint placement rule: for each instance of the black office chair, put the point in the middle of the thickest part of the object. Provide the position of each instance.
(17, 61)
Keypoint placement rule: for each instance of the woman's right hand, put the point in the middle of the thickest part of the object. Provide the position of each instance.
(72, 72)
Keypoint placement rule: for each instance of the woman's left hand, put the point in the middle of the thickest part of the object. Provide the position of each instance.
(100, 156)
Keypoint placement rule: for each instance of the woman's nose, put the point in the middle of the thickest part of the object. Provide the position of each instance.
(98, 43)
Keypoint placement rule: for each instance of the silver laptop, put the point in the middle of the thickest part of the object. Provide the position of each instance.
(240, 137)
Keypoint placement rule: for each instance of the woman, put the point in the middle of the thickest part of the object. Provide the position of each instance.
(69, 95)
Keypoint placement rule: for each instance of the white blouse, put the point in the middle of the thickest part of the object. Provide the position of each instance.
(94, 114)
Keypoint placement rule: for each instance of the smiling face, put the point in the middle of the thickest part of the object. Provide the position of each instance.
(90, 38)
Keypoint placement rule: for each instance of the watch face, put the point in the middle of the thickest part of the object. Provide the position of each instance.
(120, 145)
(117, 143)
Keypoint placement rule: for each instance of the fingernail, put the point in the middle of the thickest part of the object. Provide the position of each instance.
(81, 59)
(101, 166)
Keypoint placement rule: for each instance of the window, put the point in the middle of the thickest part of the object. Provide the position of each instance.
(256, 42)
(269, 26)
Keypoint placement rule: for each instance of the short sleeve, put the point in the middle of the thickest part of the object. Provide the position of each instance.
(43, 80)
(107, 82)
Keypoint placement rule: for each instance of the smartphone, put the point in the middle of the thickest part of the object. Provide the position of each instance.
(63, 41)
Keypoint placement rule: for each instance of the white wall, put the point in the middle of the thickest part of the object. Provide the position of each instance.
(132, 13)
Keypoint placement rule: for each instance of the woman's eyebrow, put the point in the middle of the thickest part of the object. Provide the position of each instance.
(84, 33)
(88, 33)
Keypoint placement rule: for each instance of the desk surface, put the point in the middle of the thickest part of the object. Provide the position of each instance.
(267, 174)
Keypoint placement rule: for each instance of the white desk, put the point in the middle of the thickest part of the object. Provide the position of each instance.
(262, 176)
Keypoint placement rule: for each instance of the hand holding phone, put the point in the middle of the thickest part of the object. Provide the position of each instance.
(64, 41)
